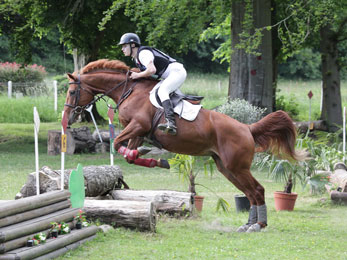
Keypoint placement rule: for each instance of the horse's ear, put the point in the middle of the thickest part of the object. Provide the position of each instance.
(72, 77)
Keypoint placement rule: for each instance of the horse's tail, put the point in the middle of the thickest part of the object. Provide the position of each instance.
(276, 132)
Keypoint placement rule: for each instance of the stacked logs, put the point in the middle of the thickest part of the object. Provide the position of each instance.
(22, 219)
(137, 209)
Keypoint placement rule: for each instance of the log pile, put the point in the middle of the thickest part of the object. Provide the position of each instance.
(165, 201)
(98, 180)
(21, 220)
(78, 140)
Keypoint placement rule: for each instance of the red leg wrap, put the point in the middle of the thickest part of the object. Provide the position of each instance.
(130, 155)
(147, 162)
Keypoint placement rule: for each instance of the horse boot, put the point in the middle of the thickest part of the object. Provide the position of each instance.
(170, 125)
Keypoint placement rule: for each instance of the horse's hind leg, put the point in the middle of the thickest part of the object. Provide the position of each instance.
(244, 181)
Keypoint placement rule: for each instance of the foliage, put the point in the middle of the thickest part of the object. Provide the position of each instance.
(61, 227)
(290, 106)
(39, 238)
(81, 218)
(63, 83)
(323, 154)
(185, 166)
(21, 73)
(242, 111)
(303, 65)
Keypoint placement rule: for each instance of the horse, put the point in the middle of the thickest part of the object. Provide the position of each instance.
(230, 143)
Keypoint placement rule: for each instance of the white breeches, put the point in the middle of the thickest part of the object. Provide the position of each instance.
(172, 79)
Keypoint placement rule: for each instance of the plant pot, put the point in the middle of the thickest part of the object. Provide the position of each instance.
(78, 225)
(241, 203)
(54, 233)
(284, 201)
(30, 243)
(198, 202)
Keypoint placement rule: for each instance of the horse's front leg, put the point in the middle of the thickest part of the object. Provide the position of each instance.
(131, 153)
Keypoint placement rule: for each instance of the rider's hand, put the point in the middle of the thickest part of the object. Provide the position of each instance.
(135, 75)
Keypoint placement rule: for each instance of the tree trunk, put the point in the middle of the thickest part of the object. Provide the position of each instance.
(331, 107)
(98, 180)
(122, 213)
(166, 201)
(251, 76)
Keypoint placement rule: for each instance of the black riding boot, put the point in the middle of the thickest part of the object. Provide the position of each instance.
(170, 125)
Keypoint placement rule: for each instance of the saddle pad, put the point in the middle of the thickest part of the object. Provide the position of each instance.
(184, 109)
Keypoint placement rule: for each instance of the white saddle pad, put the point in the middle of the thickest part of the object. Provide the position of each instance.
(184, 109)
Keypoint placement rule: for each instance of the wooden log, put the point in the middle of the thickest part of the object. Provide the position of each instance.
(10, 220)
(36, 225)
(18, 206)
(98, 180)
(339, 177)
(22, 241)
(51, 244)
(120, 213)
(54, 142)
(317, 125)
(339, 197)
(165, 201)
(65, 249)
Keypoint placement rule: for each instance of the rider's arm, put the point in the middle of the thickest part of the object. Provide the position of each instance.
(146, 58)
(150, 70)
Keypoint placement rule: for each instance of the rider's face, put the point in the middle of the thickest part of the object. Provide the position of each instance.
(126, 49)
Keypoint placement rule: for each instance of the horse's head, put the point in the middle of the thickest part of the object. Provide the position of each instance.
(77, 97)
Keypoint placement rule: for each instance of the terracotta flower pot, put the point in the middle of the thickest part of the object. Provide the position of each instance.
(284, 201)
(198, 201)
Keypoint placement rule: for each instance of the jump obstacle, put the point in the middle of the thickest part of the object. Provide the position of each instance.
(21, 220)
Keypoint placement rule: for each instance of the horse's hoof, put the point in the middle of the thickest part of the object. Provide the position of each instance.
(143, 150)
(243, 228)
(254, 228)
(163, 164)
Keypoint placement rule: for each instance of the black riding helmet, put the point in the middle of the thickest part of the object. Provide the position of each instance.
(130, 38)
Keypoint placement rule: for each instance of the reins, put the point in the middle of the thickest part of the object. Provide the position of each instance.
(79, 109)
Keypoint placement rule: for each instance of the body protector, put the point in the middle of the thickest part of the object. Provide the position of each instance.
(161, 60)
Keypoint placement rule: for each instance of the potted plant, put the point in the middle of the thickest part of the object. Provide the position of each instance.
(185, 166)
(80, 220)
(54, 229)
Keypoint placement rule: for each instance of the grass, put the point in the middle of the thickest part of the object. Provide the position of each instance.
(314, 230)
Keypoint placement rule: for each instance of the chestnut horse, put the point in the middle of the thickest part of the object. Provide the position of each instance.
(230, 143)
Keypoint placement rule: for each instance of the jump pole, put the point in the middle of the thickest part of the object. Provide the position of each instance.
(36, 132)
(89, 109)
(63, 146)
(110, 114)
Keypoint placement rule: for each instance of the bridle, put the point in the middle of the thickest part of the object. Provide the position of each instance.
(76, 109)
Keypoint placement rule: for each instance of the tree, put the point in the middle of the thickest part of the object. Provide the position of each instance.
(251, 73)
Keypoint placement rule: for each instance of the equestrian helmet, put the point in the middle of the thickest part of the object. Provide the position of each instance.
(130, 38)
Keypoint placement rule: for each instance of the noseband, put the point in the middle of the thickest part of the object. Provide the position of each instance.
(77, 94)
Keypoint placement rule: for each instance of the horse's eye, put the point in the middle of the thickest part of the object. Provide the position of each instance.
(72, 92)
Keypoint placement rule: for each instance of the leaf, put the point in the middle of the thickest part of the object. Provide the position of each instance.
(222, 204)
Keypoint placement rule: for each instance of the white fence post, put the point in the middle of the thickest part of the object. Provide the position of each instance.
(9, 92)
(55, 95)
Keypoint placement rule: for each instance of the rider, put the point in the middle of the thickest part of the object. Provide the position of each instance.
(151, 61)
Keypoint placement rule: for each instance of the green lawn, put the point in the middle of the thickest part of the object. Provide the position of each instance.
(316, 229)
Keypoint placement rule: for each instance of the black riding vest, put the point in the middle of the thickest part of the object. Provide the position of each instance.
(161, 60)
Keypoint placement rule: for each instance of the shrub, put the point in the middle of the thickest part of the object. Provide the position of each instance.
(17, 73)
(290, 106)
(28, 77)
(242, 111)
(63, 83)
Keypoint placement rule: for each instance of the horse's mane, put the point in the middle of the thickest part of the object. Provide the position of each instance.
(105, 64)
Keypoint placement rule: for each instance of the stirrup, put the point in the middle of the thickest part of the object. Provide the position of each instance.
(167, 128)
